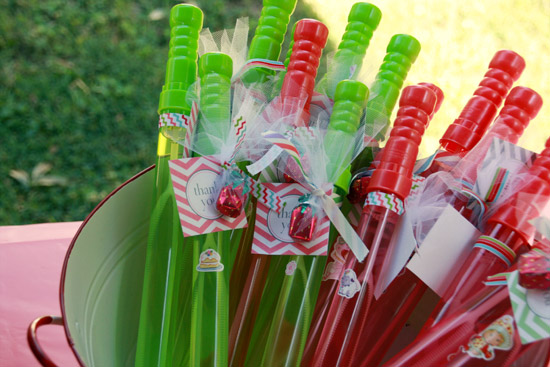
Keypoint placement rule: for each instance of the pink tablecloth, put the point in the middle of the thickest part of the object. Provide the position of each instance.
(31, 258)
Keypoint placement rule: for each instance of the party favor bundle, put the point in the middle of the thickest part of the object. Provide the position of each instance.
(295, 225)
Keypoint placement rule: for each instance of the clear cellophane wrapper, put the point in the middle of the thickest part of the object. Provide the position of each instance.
(455, 187)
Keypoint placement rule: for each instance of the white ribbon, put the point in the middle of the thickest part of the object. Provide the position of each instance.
(341, 224)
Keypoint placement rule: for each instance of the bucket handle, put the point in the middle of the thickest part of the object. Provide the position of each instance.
(37, 350)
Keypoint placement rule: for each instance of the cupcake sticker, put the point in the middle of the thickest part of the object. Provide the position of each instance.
(339, 252)
(349, 284)
(290, 267)
(209, 260)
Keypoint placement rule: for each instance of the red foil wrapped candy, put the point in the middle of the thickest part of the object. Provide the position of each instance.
(230, 201)
(534, 270)
(302, 222)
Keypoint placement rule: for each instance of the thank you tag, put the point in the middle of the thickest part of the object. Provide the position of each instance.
(271, 230)
(194, 181)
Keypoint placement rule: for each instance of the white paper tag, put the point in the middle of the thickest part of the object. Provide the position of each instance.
(444, 250)
(404, 246)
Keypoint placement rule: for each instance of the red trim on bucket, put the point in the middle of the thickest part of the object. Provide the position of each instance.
(68, 254)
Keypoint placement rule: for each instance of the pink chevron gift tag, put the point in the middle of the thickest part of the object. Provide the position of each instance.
(271, 230)
(193, 180)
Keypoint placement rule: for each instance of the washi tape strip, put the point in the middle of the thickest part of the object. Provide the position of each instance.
(239, 126)
(171, 119)
(385, 200)
(497, 248)
(192, 123)
(264, 195)
(416, 184)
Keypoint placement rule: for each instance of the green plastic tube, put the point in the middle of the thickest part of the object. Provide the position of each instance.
(363, 19)
(266, 44)
(164, 245)
(291, 313)
(401, 53)
(269, 36)
(210, 287)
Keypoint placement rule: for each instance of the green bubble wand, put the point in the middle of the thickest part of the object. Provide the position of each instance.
(164, 245)
(210, 281)
(293, 309)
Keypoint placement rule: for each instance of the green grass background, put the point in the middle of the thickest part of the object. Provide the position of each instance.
(79, 89)
(80, 80)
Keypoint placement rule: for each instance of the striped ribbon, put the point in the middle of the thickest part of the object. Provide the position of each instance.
(258, 63)
(265, 162)
(498, 183)
(281, 143)
(497, 279)
(423, 164)
(385, 200)
(497, 248)
(467, 189)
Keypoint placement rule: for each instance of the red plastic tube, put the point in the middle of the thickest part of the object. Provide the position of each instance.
(481, 332)
(466, 131)
(520, 107)
(310, 37)
(390, 312)
(349, 306)
(408, 106)
(508, 234)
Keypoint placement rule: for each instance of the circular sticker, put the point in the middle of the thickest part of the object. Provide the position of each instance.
(291, 267)
(278, 223)
(201, 194)
(538, 301)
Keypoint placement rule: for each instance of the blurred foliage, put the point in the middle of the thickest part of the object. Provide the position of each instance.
(79, 87)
